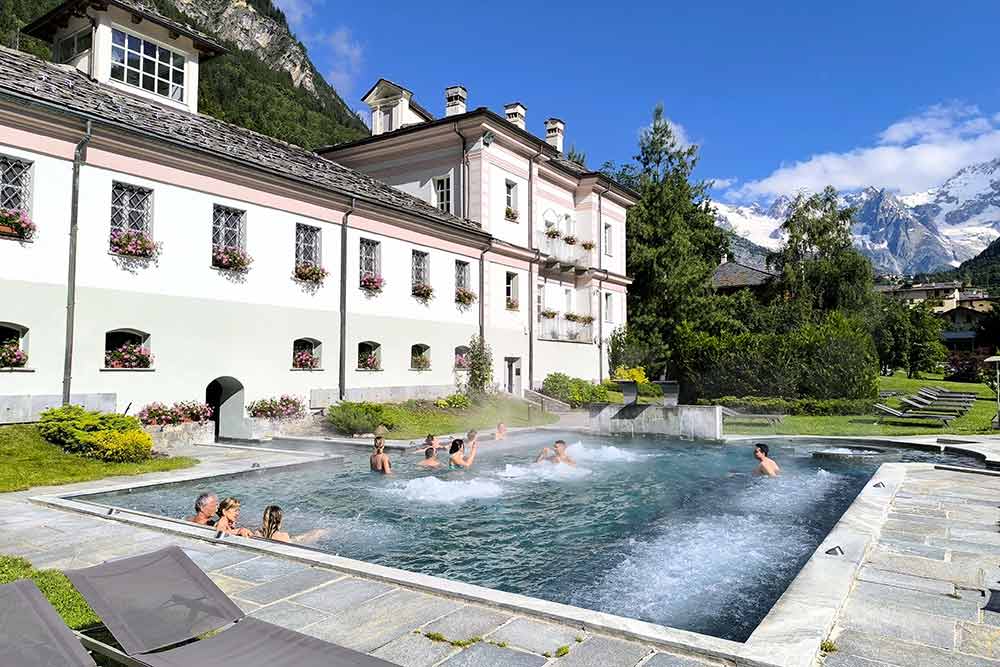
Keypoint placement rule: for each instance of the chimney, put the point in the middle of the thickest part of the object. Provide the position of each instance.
(515, 113)
(554, 130)
(454, 100)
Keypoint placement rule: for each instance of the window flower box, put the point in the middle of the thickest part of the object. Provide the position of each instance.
(569, 239)
(462, 362)
(17, 224)
(422, 291)
(512, 304)
(369, 362)
(12, 356)
(420, 362)
(548, 314)
(310, 273)
(553, 233)
(511, 214)
(134, 244)
(231, 259)
(585, 319)
(372, 283)
(129, 355)
(464, 297)
(588, 245)
(305, 359)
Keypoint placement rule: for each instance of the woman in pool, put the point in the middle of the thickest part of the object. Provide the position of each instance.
(379, 460)
(270, 528)
(229, 516)
(456, 455)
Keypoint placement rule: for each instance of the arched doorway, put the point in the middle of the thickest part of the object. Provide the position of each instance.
(225, 395)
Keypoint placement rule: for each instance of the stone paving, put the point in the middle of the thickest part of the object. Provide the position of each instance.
(917, 600)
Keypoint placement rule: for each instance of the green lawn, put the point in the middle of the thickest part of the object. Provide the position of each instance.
(54, 585)
(27, 460)
(413, 420)
(977, 420)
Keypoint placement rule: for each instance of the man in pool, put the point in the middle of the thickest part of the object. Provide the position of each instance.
(558, 456)
(430, 459)
(767, 467)
(204, 509)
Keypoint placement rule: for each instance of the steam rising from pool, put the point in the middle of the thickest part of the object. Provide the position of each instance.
(435, 490)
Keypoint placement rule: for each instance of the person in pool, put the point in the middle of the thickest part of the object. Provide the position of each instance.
(379, 460)
(432, 442)
(556, 455)
(204, 509)
(430, 459)
(270, 528)
(767, 467)
(456, 454)
(229, 517)
(501, 431)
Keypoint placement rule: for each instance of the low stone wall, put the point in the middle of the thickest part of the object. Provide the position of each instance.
(169, 439)
(686, 421)
(266, 429)
(399, 394)
(24, 408)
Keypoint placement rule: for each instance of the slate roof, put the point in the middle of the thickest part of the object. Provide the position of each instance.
(66, 88)
(733, 275)
(45, 26)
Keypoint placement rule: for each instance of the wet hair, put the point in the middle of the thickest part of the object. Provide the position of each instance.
(203, 501)
(762, 447)
(456, 445)
(561, 442)
(429, 453)
(227, 504)
(429, 440)
(271, 522)
(471, 435)
(379, 443)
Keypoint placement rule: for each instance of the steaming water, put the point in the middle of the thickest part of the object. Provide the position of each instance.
(664, 531)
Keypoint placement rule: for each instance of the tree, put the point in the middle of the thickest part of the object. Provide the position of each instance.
(889, 322)
(988, 329)
(574, 155)
(673, 244)
(480, 358)
(818, 262)
(926, 350)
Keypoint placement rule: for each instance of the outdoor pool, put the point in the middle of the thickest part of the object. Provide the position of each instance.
(659, 530)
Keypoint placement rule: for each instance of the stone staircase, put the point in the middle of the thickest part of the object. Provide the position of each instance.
(546, 403)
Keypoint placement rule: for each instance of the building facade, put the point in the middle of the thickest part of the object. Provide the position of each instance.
(236, 267)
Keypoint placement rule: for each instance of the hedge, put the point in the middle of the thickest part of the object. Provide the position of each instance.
(764, 405)
(574, 391)
(107, 436)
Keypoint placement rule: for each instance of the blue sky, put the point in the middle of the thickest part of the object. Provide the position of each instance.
(781, 96)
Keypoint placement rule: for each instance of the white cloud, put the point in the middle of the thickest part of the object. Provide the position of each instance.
(722, 183)
(296, 11)
(913, 154)
(346, 58)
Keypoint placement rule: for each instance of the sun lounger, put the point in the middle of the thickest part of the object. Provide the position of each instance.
(953, 394)
(31, 632)
(742, 416)
(955, 400)
(155, 602)
(909, 416)
(916, 405)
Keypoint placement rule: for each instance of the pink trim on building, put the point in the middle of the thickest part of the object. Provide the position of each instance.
(395, 232)
(30, 141)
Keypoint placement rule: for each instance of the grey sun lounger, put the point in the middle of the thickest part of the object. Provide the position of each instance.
(155, 604)
(926, 406)
(910, 416)
(947, 392)
(31, 632)
(955, 400)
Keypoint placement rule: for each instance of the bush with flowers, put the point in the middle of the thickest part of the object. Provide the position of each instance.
(512, 304)
(18, 223)
(305, 359)
(588, 245)
(553, 233)
(310, 273)
(369, 362)
(284, 407)
(160, 414)
(372, 283)
(462, 361)
(422, 291)
(11, 355)
(464, 296)
(231, 259)
(569, 239)
(134, 244)
(129, 355)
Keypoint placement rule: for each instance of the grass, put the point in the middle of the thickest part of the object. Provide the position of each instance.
(28, 460)
(415, 419)
(976, 421)
(57, 589)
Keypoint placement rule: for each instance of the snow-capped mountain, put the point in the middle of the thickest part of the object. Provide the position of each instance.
(916, 233)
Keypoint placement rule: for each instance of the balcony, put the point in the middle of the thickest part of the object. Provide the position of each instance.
(566, 256)
(559, 328)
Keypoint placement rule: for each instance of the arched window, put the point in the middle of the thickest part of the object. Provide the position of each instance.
(369, 356)
(461, 358)
(127, 348)
(420, 357)
(306, 353)
(13, 345)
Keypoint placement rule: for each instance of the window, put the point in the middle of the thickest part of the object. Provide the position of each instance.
(442, 189)
(127, 348)
(420, 357)
(306, 353)
(141, 63)
(511, 188)
(369, 356)
(568, 300)
(462, 357)
(608, 239)
(387, 119)
(13, 345)
(15, 184)
(131, 208)
(370, 260)
(420, 268)
(609, 302)
(462, 275)
(540, 297)
(72, 46)
(511, 291)
(229, 228)
(308, 245)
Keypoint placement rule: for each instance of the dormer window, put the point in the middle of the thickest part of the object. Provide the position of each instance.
(70, 47)
(144, 64)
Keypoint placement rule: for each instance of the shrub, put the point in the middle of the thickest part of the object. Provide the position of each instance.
(962, 367)
(304, 359)
(129, 355)
(636, 374)
(480, 358)
(121, 446)
(159, 414)
(574, 391)
(455, 402)
(351, 418)
(194, 411)
(11, 355)
(74, 429)
(650, 390)
(794, 406)
(285, 407)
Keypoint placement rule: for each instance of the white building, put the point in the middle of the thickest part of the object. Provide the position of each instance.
(109, 146)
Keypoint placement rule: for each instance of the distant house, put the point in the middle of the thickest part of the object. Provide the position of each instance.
(960, 325)
(979, 301)
(943, 296)
(731, 277)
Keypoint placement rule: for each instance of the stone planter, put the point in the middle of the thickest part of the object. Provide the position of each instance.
(170, 439)
(267, 429)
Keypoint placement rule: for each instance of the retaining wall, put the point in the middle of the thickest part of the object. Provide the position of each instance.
(687, 421)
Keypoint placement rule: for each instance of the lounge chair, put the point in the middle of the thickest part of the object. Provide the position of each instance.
(944, 393)
(918, 405)
(743, 416)
(155, 604)
(909, 416)
(941, 398)
(31, 632)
